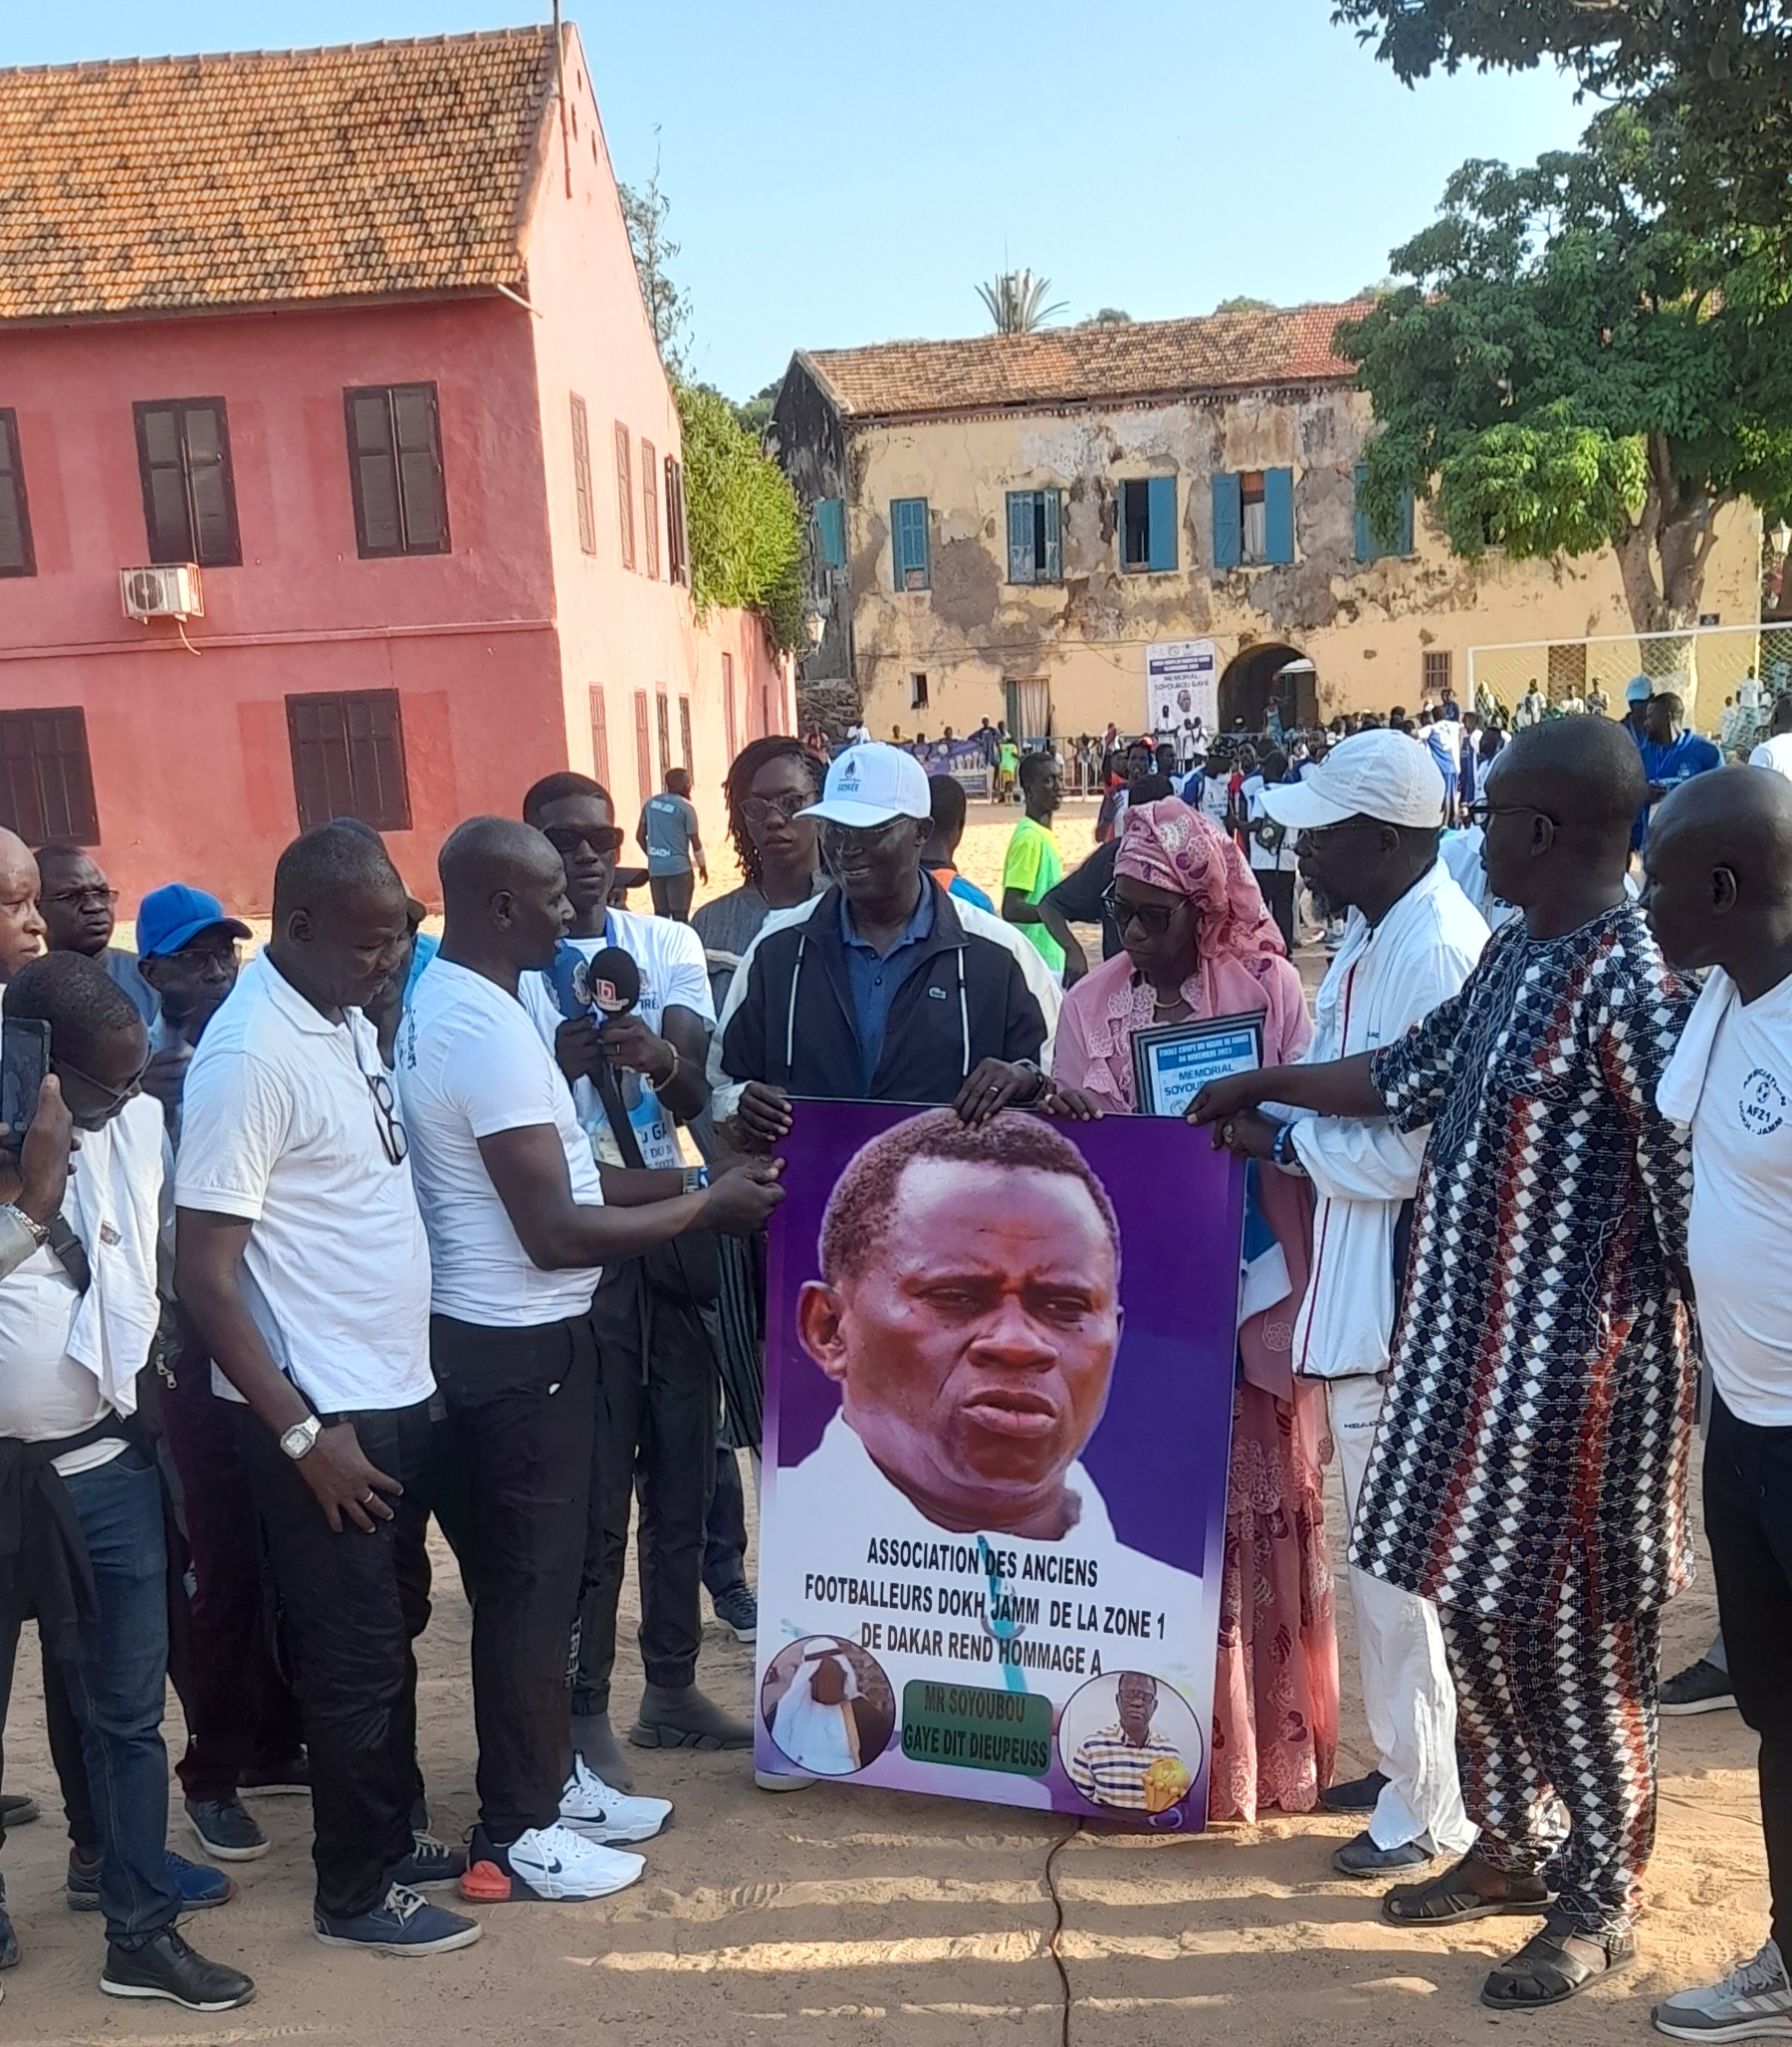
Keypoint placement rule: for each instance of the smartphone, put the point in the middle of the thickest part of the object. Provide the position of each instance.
(24, 1061)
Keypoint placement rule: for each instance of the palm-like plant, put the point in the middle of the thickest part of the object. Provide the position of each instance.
(1017, 302)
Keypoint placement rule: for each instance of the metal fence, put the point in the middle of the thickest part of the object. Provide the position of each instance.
(1711, 666)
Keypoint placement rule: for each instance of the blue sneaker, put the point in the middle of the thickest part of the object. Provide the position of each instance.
(430, 1863)
(404, 1924)
(200, 1887)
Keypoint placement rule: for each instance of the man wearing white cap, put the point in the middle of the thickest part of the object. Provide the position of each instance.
(1366, 821)
(884, 988)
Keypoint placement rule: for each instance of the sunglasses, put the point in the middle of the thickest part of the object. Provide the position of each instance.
(1152, 918)
(565, 839)
(116, 1097)
(838, 838)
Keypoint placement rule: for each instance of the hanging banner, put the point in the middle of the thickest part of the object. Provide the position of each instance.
(1182, 686)
(999, 1391)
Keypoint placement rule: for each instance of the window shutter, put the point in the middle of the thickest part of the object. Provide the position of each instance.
(908, 531)
(375, 475)
(683, 736)
(678, 559)
(1366, 549)
(830, 530)
(424, 502)
(16, 556)
(582, 479)
(650, 526)
(347, 750)
(164, 484)
(207, 448)
(625, 497)
(1162, 502)
(1054, 544)
(1278, 514)
(643, 747)
(1228, 523)
(599, 736)
(45, 777)
(1020, 537)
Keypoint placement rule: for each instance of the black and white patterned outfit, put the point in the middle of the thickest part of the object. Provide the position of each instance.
(1529, 1472)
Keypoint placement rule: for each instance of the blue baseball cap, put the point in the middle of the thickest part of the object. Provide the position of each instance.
(171, 917)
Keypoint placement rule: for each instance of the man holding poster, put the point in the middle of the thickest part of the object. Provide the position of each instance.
(928, 1501)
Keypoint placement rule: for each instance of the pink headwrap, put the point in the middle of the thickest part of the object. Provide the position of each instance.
(1169, 845)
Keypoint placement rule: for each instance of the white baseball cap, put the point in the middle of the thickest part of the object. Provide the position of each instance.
(1379, 774)
(872, 784)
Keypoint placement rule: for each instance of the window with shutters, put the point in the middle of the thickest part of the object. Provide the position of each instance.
(729, 729)
(650, 526)
(45, 776)
(16, 556)
(1146, 520)
(349, 758)
(1254, 518)
(581, 480)
(1372, 545)
(626, 494)
(1035, 528)
(600, 737)
(908, 544)
(1437, 673)
(395, 468)
(189, 501)
(683, 736)
(830, 532)
(662, 720)
(643, 747)
(678, 539)
(917, 692)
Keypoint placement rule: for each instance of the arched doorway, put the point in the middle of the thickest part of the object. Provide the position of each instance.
(1253, 681)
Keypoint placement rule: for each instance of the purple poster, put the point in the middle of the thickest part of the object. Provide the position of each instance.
(998, 1387)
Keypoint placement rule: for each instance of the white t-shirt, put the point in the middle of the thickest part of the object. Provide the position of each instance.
(1284, 859)
(1774, 753)
(1739, 1237)
(280, 1126)
(470, 1064)
(674, 972)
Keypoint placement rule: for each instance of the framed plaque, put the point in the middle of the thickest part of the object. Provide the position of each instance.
(1172, 1063)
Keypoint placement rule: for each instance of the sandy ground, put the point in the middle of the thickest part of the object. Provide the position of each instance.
(834, 1917)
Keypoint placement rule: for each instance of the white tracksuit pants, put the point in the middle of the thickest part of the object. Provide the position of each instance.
(1407, 1695)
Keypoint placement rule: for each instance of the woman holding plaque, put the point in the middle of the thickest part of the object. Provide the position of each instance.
(1200, 944)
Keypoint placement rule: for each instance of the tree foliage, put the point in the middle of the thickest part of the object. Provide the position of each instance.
(646, 213)
(1566, 369)
(1717, 72)
(1017, 302)
(745, 520)
(755, 415)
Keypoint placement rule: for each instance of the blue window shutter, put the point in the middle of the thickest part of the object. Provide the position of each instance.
(1366, 549)
(1405, 523)
(1162, 502)
(908, 541)
(1054, 567)
(830, 527)
(1278, 514)
(1021, 568)
(1228, 523)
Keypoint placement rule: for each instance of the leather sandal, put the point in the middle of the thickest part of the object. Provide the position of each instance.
(1544, 1971)
(1446, 1900)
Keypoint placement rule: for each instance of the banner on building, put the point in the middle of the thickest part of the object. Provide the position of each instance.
(999, 1389)
(1182, 684)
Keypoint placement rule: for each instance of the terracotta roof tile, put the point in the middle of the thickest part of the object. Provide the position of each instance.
(163, 185)
(1064, 365)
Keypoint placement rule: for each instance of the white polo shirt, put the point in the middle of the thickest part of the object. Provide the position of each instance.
(470, 1064)
(281, 1128)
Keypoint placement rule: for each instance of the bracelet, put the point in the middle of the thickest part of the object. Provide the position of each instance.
(660, 1087)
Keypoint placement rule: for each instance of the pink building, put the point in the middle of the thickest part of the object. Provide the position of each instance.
(357, 333)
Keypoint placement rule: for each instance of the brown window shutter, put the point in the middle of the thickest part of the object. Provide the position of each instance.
(650, 526)
(643, 747)
(349, 758)
(206, 446)
(373, 473)
(16, 556)
(600, 737)
(395, 471)
(421, 491)
(581, 478)
(684, 734)
(47, 777)
(626, 495)
(662, 719)
(165, 513)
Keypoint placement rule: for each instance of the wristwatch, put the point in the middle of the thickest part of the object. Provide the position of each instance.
(695, 1180)
(38, 1232)
(1282, 1152)
(298, 1441)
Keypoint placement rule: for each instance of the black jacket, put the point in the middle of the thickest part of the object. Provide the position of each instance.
(966, 1000)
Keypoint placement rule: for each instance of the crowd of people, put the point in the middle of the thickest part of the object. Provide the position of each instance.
(302, 1249)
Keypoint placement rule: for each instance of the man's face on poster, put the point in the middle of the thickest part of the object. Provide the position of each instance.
(1136, 1698)
(974, 1342)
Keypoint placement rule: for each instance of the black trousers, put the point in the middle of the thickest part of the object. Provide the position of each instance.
(1278, 895)
(1749, 1518)
(354, 1604)
(672, 895)
(522, 1405)
(658, 1397)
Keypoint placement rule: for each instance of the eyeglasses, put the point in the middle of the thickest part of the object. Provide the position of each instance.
(1152, 918)
(1483, 810)
(759, 811)
(565, 839)
(85, 898)
(116, 1097)
(393, 1141)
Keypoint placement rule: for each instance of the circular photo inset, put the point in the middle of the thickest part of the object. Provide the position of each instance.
(1131, 1743)
(828, 1706)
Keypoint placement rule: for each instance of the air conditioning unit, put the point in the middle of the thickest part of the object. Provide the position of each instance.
(170, 591)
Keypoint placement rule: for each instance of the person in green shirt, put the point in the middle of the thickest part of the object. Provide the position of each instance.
(1033, 864)
(1008, 763)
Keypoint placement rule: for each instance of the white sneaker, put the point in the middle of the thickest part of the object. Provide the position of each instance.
(591, 1807)
(549, 1864)
(1753, 2002)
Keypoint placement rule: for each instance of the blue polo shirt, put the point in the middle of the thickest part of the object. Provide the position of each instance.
(875, 980)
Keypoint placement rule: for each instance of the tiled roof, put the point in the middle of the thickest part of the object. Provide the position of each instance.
(1071, 365)
(172, 184)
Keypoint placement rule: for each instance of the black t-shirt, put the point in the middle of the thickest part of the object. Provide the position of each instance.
(1081, 892)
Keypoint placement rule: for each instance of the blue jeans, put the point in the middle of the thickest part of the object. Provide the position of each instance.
(117, 1686)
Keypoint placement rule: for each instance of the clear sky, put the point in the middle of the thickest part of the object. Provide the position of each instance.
(849, 174)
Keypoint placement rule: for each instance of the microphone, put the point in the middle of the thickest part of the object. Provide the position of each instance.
(606, 984)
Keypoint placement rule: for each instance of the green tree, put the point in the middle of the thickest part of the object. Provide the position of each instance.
(645, 212)
(1717, 71)
(1017, 302)
(1566, 372)
(744, 519)
(755, 415)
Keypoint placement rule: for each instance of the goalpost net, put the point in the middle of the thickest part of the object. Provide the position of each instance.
(1747, 665)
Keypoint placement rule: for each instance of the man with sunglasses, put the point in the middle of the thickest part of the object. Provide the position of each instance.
(80, 911)
(1366, 823)
(659, 1391)
(300, 1258)
(82, 1490)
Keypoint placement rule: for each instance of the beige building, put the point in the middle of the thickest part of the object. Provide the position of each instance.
(1056, 528)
